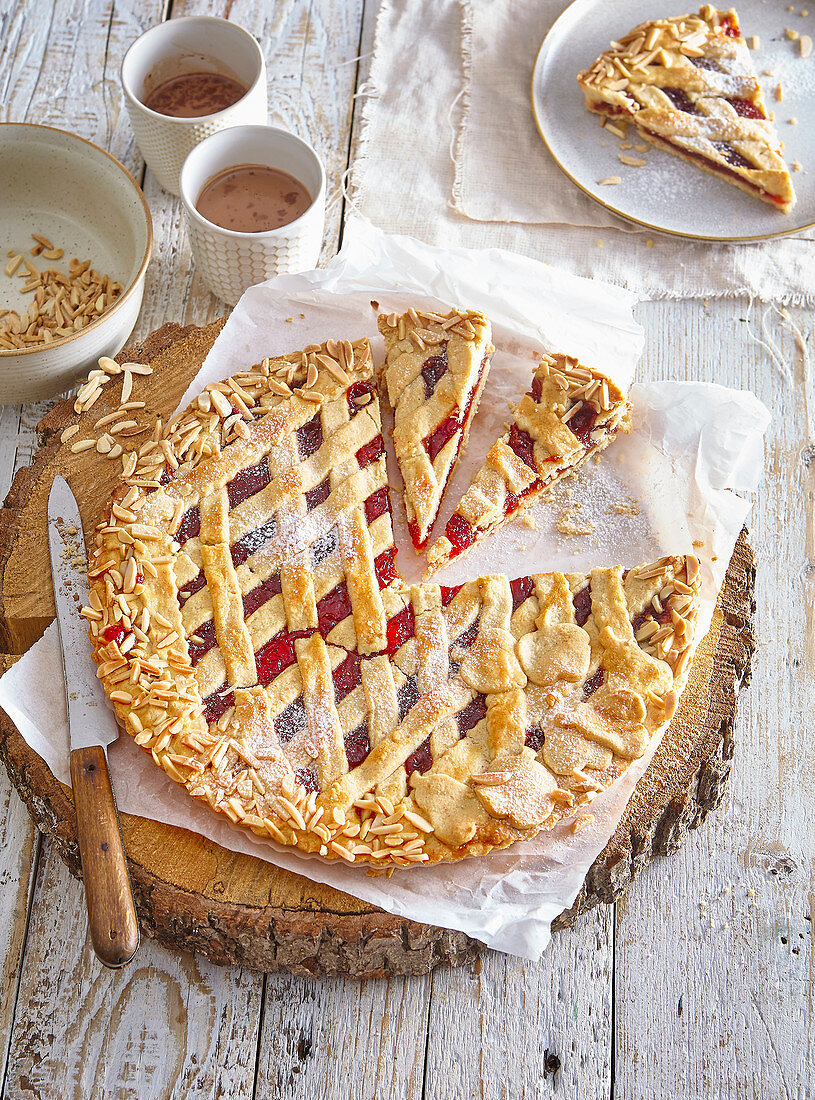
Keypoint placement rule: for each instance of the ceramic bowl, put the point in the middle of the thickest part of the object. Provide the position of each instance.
(86, 203)
(229, 261)
(190, 44)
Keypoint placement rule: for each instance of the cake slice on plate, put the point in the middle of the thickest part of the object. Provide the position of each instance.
(569, 413)
(689, 85)
(436, 365)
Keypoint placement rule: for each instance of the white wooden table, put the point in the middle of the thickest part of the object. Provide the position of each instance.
(698, 984)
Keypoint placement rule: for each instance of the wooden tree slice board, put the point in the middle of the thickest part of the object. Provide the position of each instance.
(194, 895)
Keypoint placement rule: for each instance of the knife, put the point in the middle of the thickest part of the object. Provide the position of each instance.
(92, 726)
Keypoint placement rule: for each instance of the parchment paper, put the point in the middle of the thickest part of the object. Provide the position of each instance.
(694, 447)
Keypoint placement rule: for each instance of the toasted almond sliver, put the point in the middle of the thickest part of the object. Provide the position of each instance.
(633, 162)
(608, 180)
(83, 445)
(69, 433)
(805, 45)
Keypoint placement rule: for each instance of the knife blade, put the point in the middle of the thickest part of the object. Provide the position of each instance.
(92, 727)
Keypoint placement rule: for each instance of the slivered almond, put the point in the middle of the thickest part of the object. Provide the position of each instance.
(633, 162)
(608, 181)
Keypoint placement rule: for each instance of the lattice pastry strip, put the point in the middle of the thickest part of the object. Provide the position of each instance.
(569, 413)
(385, 723)
(436, 366)
(689, 85)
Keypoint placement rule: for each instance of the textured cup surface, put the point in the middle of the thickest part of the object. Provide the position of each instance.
(186, 45)
(229, 261)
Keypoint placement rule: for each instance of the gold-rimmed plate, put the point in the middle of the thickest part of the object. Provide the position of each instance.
(667, 194)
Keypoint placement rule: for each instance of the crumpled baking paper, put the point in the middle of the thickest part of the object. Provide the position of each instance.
(670, 486)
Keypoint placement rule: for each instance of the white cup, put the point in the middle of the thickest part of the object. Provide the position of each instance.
(191, 44)
(230, 261)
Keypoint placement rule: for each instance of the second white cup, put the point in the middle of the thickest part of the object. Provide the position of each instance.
(232, 261)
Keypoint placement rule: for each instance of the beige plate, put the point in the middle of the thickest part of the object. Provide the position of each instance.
(667, 194)
(85, 202)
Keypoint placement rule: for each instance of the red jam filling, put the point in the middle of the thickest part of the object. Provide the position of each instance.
(190, 526)
(333, 608)
(471, 715)
(324, 547)
(442, 435)
(432, 370)
(307, 778)
(191, 587)
(582, 423)
(470, 634)
(217, 704)
(522, 443)
(682, 101)
(592, 684)
(448, 428)
(248, 482)
(745, 108)
(253, 541)
(370, 452)
(316, 496)
(581, 601)
(347, 676)
(731, 155)
(421, 760)
(357, 745)
(407, 696)
(277, 655)
(730, 27)
(358, 396)
(291, 720)
(114, 633)
(377, 504)
(400, 629)
(309, 437)
(415, 534)
(262, 594)
(449, 594)
(385, 567)
(537, 389)
(207, 641)
(534, 739)
(459, 533)
(522, 589)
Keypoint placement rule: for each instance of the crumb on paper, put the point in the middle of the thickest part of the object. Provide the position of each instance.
(569, 523)
(793, 122)
(791, 34)
(581, 822)
(627, 508)
(374, 304)
(698, 544)
(778, 92)
(626, 145)
(289, 320)
(526, 519)
(601, 244)
(649, 243)
(796, 166)
(753, 42)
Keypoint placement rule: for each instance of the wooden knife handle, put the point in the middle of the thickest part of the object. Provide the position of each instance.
(111, 912)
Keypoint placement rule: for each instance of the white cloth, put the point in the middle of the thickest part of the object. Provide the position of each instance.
(440, 69)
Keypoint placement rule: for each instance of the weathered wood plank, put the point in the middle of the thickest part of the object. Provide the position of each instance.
(343, 1041)
(509, 1029)
(169, 1025)
(714, 950)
